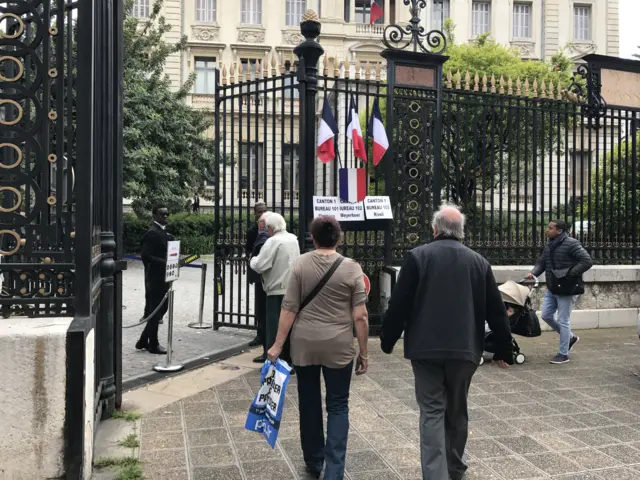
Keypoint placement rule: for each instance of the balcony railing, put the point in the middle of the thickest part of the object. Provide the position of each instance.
(368, 29)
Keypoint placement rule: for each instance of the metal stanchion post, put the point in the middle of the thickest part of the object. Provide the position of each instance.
(167, 366)
(203, 281)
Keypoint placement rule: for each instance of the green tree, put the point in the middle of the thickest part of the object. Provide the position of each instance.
(166, 153)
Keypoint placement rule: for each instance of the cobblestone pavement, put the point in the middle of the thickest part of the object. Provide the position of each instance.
(188, 343)
(579, 421)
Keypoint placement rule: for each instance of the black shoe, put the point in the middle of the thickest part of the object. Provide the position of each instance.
(141, 345)
(575, 339)
(157, 350)
(314, 472)
(261, 359)
(256, 342)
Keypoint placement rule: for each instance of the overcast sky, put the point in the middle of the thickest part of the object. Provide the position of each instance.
(629, 29)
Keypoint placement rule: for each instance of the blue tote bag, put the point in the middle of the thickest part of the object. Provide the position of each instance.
(265, 413)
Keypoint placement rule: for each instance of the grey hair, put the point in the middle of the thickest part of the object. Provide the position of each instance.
(264, 216)
(444, 225)
(275, 222)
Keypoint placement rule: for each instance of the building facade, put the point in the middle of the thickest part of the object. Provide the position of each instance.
(255, 39)
(225, 31)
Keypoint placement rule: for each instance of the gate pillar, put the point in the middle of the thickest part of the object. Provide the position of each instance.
(414, 90)
(308, 52)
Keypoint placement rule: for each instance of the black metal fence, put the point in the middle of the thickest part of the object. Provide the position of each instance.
(513, 153)
(60, 178)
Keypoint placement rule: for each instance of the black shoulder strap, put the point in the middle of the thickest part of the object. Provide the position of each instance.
(321, 284)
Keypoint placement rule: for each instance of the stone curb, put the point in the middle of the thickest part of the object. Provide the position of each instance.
(191, 364)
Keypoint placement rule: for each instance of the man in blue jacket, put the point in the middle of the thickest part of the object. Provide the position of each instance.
(444, 294)
(563, 261)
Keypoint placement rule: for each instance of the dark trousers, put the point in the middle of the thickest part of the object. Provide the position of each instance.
(442, 387)
(154, 293)
(314, 449)
(274, 305)
(260, 300)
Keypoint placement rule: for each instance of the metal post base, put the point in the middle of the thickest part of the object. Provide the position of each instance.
(200, 326)
(164, 368)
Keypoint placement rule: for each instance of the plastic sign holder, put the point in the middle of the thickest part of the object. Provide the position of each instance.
(172, 273)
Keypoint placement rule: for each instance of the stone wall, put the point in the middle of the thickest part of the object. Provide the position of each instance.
(611, 298)
(32, 397)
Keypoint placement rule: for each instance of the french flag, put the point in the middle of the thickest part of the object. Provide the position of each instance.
(353, 184)
(354, 132)
(378, 133)
(326, 131)
(375, 12)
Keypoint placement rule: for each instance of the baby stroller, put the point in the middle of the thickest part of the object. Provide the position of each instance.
(523, 322)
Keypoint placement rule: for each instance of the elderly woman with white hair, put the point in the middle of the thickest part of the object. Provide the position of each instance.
(274, 265)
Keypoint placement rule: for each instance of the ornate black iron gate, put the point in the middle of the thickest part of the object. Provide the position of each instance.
(60, 178)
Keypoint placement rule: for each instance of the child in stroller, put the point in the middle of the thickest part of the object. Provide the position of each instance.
(522, 318)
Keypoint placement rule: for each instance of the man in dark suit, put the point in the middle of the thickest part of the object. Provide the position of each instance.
(154, 258)
(260, 298)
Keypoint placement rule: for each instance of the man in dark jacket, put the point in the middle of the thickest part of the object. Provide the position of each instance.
(154, 258)
(441, 301)
(563, 260)
(260, 298)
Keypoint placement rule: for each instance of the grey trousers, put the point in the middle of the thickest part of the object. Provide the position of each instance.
(442, 387)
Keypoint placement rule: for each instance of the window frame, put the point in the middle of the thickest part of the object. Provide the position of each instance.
(209, 9)
(251, 12)
(445, 8)
(139, 6)
(365, 12)
(291, 157)
(254, 182)
(475, 32)
(294, 10)
(207, 71)
(587, 7)
(518, 26)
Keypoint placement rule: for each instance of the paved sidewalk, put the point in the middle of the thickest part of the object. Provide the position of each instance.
(579, 421)
(188, 344)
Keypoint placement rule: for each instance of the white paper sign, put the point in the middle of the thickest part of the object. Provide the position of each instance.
(342, 211)
(378, 208)
(172, 271)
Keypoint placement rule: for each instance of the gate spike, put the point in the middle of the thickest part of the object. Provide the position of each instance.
(449, 77)
(476, 83)
(378, 71)
(551, 92)
(501, 85)
(518, 87)
(274, 65)
(358, 68)
(265, 66)
(526, 87)
(325, 66)
(336, 67)
(458, 79)
(484, 82)
(467, 81)
(510, 86)
(224, 74)
(535, 87)
(543, 89)
(493, 83)
(347, 68)
(258, 70)
(367, 71)
(283, 66)
(232, 76)
(559, 90)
